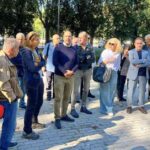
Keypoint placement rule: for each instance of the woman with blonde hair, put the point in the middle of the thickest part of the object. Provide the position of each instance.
(32, 63)
(111, 58)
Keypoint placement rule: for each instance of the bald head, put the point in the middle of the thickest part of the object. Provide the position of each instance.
(20, 37)
(11, 47)
(56, 39)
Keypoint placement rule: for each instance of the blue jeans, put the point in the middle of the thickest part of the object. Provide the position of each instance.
(107, 94)
(21, 83)
(9, 123)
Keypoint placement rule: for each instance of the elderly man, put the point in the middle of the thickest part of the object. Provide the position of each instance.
(65, 62)
(137, 73)
(9, 91)
(49, 71)
(147, 48)
(17, 61)
(85, 57)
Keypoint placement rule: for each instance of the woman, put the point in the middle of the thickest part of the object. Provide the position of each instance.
(32, 63)
(111, 58)
(122, 73)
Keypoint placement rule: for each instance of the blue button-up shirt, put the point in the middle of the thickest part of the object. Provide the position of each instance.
(49, 49)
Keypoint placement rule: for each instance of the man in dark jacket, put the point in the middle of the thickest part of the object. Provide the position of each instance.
(17, 61)
(147, 48)
(85, 57)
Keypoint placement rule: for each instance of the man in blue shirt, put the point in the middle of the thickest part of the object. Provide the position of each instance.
(65, 62)
(49, 70)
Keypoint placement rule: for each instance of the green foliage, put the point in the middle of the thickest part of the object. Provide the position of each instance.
(16, 16)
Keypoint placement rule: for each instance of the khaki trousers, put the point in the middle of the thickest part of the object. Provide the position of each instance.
(62, 88)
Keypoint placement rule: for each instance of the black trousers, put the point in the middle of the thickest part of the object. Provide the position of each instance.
(120, 85)
(34, 103)
(149, 87)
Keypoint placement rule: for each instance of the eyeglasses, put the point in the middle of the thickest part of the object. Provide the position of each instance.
(112, 44)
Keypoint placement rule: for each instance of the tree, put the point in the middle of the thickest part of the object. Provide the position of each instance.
(47, 13)
(17, 16)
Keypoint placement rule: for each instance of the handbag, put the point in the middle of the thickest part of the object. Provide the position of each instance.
(1, 111)
(101, 73)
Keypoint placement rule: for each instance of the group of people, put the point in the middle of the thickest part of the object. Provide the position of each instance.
(67, 67)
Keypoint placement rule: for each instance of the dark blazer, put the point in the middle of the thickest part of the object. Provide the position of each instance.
(17, 61)
(32, 77)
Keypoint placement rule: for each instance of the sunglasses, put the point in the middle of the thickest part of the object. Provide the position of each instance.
(112, 44)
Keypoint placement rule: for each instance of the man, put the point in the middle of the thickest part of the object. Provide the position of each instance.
(147, 48)
(49, 72)
(85, 57)
(9, 91)
(137, 73)
(65, 62)
(17, 61)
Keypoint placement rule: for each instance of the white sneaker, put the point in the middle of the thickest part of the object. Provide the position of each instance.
(111, 114)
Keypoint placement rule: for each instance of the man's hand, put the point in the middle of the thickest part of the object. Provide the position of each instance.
(68, 73)
(43, 69)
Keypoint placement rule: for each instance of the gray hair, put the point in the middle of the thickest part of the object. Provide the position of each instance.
(18, 35)
(83, 34)
(147, 36)
(10, 43)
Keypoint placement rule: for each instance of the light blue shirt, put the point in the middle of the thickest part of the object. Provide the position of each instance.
(49, 64)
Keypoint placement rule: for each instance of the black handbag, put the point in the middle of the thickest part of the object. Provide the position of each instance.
(101, 73)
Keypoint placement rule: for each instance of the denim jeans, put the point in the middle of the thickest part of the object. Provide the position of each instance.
(34, 103)
(21, 83)
(9, 123)
(107, 94)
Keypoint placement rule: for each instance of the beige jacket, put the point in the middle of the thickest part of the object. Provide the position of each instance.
(9, 86)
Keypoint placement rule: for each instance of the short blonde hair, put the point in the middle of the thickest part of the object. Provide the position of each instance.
(115, 41)
(30, 36)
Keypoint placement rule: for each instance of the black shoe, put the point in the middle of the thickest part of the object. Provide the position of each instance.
(67, 118)
(30, 136)
(122, 99)
(12, 144)
(49, 96)
(77, 101)
(91, 95)
(57, 124)
(85, 110)
(74, 113)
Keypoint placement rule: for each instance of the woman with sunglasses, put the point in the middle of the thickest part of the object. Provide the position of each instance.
(32, 63)
(111, 58)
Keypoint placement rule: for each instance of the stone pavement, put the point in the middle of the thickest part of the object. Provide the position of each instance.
(90, 132)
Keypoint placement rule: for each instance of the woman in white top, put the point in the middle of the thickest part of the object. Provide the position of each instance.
(111, 58)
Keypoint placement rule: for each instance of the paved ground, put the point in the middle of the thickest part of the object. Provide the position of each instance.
(90, 132)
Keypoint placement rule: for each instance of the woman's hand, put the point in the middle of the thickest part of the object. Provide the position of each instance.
(109, 60)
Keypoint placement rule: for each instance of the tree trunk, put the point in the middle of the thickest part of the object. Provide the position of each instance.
(47, 34)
